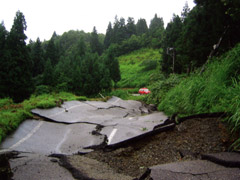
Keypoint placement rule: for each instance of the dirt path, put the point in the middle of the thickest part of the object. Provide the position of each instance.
(187, 141)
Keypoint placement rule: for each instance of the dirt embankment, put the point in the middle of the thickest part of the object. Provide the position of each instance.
(186, 141)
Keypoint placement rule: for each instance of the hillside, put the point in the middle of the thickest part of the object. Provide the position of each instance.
(214, 90)
(138, 67)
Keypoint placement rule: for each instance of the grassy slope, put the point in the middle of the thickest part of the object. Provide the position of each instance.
(132, 68)
(216, 90)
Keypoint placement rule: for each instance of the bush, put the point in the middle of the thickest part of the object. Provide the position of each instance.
(5, 102)
(121, 93)
(148, 65)
(161, 87)
(42, 89)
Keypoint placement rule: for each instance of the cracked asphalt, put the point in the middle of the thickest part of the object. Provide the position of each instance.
(78, 127)
(52, 146)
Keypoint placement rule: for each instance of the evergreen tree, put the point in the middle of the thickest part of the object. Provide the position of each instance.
(37, 58)
(19, 65)
(52, 51)
(108, 37)
(156, 30)
(89, 74)
(113, 65)
(95, 45)
(185, 12)
(105, 81)
(3, 37)
(141, 27)
(48, 78)
(171, 36)
(63, 74)
(81, 47)
(156, 25)
(119, 30)
(131, 27)
(3, 70)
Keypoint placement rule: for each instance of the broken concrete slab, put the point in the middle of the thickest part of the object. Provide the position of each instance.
(85, 168)
(199, 169)
(47, 138)
(80, 127)
(228, 159)
(121, 139)
(130, 127)
(70, 112)
(34, 166)
(120, 120)
(89, 112)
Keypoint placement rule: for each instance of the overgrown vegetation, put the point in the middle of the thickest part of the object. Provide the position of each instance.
(139, 68)
(127, 94)
(215, 90)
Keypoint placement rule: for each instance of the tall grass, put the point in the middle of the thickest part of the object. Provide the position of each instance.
(216, 90)
(138, 68)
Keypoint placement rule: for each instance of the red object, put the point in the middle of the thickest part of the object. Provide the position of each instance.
(144, 91)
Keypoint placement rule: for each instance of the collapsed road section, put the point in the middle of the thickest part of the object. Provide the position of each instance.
(74, 127)
(80, 127)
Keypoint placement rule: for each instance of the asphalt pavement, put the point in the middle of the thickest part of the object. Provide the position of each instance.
(80, 127)
(219, 166)
(75, 127)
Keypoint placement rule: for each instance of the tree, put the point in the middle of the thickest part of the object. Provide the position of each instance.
(185, 11)
(171, 35)
(3, 61)
(119, 30)
(48, 73)
(130, 27)
(95, 45)
(3, 37)
(19, 65)
(90, 74)
(108, 37)
(156, 25)
(156, 30)
(113, 65)
(141, 27)
(81, 47)
(37, 58)
(51, 51)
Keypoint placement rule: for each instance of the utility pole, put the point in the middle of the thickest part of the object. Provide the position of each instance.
(171, 52)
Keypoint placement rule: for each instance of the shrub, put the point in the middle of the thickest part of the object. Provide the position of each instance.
(42, 89)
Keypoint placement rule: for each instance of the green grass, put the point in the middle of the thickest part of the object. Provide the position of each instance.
(11, 115)
(126, 94)
(216, 90)
(138, 68)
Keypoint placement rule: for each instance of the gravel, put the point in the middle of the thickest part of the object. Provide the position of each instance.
(186, 141)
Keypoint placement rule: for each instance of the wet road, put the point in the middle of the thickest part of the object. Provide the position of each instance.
(79, 127)
(76, 126)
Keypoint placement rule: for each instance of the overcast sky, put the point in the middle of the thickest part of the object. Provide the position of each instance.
(43, 17)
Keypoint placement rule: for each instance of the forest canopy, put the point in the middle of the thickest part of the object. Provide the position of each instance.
(86, 63)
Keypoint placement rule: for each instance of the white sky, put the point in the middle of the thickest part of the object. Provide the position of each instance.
(43, 17)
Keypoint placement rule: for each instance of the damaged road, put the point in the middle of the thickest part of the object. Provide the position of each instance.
(79, 127)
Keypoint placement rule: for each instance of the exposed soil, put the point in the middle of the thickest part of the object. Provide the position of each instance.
(186, 141)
